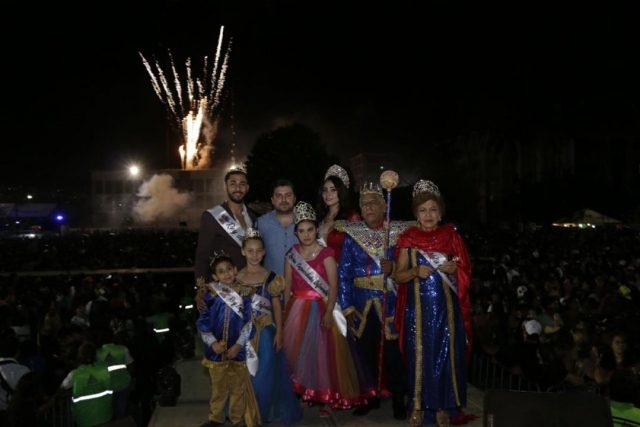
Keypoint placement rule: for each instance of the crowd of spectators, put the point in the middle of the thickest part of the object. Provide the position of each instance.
(97, 250)
(556, 306)
(50, 317)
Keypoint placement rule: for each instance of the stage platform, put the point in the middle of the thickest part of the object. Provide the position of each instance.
(193, 406)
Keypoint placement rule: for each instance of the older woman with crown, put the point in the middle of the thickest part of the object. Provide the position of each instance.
(334, 204)
(434, 270)
(317, 351)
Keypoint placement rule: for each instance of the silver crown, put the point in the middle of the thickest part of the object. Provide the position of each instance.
(237, 168)
(252, 233)
(425, 186)
(371, 188)
(303, 211)
(339, 172)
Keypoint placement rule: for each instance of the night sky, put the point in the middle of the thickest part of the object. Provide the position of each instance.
(78, 98)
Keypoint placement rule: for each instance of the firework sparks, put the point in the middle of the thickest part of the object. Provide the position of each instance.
(215, 63)
(195, 114)
(176, 81)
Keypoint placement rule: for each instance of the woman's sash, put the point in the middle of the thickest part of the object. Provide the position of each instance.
(436, 261)
(313, 279)
(233, 300)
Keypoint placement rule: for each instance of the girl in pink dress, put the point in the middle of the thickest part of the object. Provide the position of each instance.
(314, 333)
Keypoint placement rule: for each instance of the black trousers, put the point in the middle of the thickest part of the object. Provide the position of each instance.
(394, 373)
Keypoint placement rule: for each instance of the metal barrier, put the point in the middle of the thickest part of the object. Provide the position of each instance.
(486, 374)
(100, 272)
(58, 414)
(623, 422)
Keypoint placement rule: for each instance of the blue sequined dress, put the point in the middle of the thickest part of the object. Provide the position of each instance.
(272, 383)
(434, 339)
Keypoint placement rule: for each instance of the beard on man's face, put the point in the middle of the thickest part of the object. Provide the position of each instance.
(236, 197)
(284, 207)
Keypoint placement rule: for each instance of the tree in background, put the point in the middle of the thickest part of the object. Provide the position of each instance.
(294, 152)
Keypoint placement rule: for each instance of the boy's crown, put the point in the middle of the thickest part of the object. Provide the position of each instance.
(217, 255)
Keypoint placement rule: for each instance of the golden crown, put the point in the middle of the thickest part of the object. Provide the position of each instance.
(339, 172)
(303, 211)
(371, 188)
(425, 186)
(217, 255)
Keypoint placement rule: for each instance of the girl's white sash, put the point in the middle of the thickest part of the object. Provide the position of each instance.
(260, 304)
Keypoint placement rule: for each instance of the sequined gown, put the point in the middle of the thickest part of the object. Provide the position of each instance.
(272, 383)
(433, 326)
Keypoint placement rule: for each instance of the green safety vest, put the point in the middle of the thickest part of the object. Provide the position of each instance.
(161, 325)
(114, 356)
(91, 395)
(622, 412)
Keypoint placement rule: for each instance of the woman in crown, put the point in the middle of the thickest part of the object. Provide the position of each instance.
(272, 383)
(317, 351)
(434, 270)
(334, 204)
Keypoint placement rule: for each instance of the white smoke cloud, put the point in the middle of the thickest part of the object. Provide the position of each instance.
(160, 200)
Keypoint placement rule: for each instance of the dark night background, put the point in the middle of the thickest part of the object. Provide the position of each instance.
(427, 79)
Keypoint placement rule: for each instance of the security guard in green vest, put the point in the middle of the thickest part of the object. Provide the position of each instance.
(91, 392)
(118, 360)
(187, 310)
(161, 324)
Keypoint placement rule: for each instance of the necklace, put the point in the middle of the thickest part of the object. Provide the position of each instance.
(313, 254)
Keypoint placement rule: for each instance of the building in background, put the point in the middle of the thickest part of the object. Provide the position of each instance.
(115, 194)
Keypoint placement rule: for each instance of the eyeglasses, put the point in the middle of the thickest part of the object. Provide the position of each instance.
(372, 204)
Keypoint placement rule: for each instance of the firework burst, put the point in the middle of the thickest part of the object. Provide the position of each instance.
(194, 113)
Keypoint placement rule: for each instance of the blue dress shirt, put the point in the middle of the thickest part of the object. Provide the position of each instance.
(277, 240)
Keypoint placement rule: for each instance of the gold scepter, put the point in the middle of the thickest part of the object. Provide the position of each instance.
(388, 180)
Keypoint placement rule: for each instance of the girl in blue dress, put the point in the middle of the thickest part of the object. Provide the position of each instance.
(272, 383)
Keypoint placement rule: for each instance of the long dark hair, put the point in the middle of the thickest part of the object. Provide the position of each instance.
(344, 199)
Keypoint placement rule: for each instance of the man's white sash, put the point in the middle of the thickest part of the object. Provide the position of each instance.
(435, 262)
(318, 284)
(233, 300)
(229, 223)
